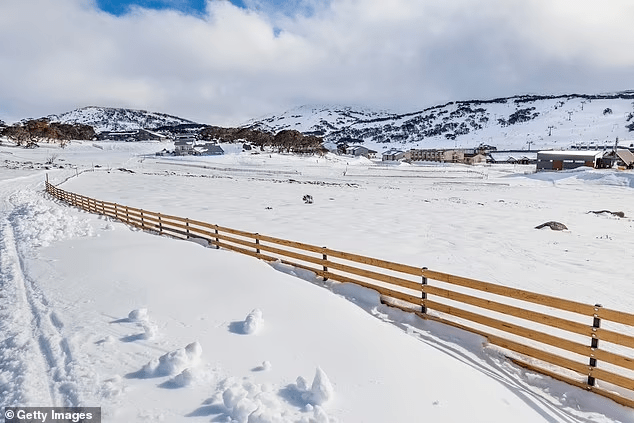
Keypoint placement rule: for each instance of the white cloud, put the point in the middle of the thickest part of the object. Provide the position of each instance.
(229, 65)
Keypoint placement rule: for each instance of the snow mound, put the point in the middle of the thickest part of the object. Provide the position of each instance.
(112, 387)
(253, 322)
(173, 362)
(39, 223)
(247, 402)
(149, 330)
(138, 315)
(184, 378)
(320, 391)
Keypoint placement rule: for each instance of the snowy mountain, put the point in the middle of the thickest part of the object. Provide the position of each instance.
(115, 119)
(519, 122)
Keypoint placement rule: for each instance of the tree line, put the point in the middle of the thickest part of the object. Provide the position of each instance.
(31, 132)
(288, 140)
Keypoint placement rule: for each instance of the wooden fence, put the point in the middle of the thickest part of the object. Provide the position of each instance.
(588, 346)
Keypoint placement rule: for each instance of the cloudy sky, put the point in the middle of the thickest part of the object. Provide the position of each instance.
(223, 62)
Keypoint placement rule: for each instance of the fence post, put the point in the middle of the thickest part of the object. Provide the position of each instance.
(116, 212)
(160, 224)
(423, 293)
(187, 224)
(257, 241)
(325, 257)
(594, 344)
(217, 240)
(142, 223)
(127, 217)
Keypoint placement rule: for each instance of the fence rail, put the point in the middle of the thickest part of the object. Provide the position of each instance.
(561, 338)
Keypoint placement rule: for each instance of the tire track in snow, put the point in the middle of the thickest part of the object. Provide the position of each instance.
(23, 371)
(37, 357)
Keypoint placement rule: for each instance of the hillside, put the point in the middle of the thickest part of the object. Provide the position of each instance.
(115, 119)
(516, 122)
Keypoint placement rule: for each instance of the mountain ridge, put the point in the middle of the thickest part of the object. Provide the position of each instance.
(518, 122)
(547, 121)
(117, 119)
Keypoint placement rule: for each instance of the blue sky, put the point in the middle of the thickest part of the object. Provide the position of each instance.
(121, 7)
(223, 63)
(198, 7)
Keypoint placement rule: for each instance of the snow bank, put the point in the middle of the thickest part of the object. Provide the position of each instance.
(365, 298)
(253, 322)
(38, 223)
(586, 175)
(173, 362)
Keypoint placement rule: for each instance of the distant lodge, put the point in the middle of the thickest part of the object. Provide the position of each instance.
(133, 135)
(544, 160)
(482, 154)
(572, 159)
(188, 147)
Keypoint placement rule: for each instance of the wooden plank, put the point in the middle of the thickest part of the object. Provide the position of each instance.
(532, 316)
(207, 225)
(411, 270)
(543, 338)
(416, 271)
(245, 251)
(416, 286)
(517, 294)
(613, 378)
(380, 289)
(616, 316)
(168, 224)
(235, 231)
(346, 256)
(136, 210)
(293, 244)
(615, 337)
(613, 358)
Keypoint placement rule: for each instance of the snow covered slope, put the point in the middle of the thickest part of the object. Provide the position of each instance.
(153, 329)
(508, 123)
(114, 119)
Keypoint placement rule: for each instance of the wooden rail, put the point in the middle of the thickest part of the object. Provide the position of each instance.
(554, 336)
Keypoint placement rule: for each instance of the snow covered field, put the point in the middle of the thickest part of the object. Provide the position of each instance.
(154, 329)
